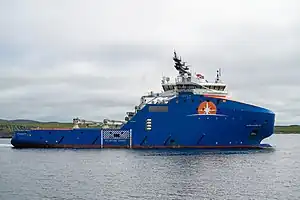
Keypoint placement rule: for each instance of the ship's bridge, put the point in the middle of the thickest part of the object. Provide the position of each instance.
(195, 83)
(192, 83)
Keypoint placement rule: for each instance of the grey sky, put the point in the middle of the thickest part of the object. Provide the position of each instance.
(94, 59)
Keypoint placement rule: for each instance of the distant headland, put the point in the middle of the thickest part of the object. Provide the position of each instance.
(7, 127)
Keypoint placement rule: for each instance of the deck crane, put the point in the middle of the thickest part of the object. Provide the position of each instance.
(77, 122)
(109, 123)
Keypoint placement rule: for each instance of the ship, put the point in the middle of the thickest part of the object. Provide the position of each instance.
(189, 112)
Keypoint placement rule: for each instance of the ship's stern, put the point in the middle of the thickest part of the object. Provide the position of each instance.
(19, 138)
(25, 139)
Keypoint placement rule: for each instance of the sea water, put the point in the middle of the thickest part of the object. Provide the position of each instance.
(36, 174)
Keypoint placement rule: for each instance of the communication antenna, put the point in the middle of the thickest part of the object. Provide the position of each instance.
(218, 75)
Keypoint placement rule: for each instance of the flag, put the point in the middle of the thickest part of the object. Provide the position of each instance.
(200, 76)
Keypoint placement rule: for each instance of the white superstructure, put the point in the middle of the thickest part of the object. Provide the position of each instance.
(184, 82)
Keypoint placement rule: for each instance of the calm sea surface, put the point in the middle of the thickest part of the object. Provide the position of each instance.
(36, 174)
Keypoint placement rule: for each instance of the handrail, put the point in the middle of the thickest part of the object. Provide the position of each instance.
(51, 128)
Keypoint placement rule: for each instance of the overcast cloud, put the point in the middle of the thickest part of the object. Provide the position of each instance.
(94, 59)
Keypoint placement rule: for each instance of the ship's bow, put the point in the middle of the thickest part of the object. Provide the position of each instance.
(262, 126)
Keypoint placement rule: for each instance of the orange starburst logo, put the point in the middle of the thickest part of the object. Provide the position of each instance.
(207, 108)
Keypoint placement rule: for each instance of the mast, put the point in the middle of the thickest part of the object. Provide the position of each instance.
(218, 76)
(180, 66)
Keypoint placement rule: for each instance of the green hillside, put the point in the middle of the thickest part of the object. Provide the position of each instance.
(8, 127)
(287, 129)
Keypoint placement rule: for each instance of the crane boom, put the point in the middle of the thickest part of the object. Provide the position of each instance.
(77, 121)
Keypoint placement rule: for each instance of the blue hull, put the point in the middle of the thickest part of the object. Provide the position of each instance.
(178, 124)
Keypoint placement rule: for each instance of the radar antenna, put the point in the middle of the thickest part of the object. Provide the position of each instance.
(180, 66)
